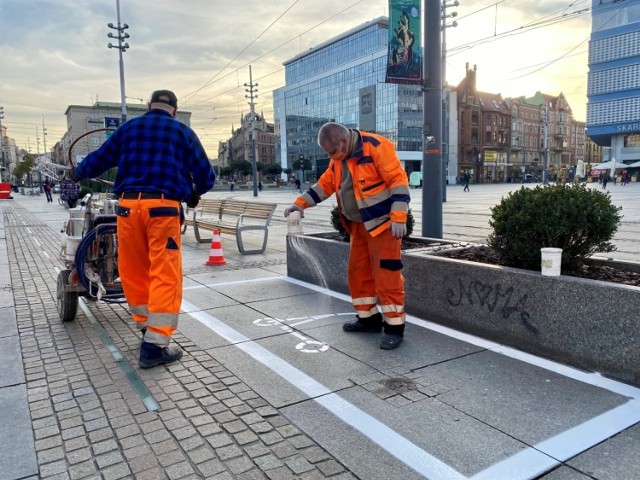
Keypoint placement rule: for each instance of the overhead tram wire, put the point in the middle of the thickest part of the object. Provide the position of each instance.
(281, 45)
(190, 95)
(565, 54)
(516, 31)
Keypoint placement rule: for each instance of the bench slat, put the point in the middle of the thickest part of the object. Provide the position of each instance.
(225, 214)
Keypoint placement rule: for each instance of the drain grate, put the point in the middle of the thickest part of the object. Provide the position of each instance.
(400, 385)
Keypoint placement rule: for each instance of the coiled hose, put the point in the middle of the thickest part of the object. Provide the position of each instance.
(112, 295)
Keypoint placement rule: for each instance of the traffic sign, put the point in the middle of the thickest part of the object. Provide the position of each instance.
(111, 122)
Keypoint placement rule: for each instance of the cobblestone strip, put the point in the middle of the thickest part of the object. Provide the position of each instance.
(88, 422)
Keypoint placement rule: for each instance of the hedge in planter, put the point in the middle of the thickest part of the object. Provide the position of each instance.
(580, 220)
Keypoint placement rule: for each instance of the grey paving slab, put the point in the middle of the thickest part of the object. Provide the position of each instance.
(240, 317)
(266, 290)
(614, 459)
(527, 402)
(8, 324)
(330, 368)
(205, 298)
(6, 296)
(11, 372)
(450, 436)
(308, 311)
(18, 459)
(215, 276)
(420, 347)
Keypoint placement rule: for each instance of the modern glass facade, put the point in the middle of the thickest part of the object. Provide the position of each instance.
(613, 111)
(331, 82)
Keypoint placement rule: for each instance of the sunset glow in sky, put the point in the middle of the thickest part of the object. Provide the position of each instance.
(54, 54)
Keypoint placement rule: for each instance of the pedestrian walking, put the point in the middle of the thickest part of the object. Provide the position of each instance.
(161, 163)
(466, 178)
(605, 179)
(298, 185)
(372, 191)
(232, 185)
(47, 192)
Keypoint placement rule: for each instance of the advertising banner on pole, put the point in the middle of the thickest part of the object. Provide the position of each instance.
(404, 62)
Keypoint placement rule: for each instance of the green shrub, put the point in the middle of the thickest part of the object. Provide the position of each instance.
(580, 220)
(337, 224)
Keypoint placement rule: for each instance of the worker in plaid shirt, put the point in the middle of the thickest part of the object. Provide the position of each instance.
(161, 163)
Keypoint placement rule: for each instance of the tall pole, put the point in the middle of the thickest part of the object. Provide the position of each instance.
(432, 128)
(122, 47)
(252, 95)
(545, 144)
(44, 135)
(4, 163)
(446, 97)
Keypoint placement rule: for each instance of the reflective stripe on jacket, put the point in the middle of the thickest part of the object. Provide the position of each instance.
(380, 184)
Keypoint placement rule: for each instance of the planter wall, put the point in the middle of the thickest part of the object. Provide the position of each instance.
(588, 324)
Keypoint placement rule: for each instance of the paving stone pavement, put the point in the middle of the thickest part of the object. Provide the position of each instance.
(88, 422)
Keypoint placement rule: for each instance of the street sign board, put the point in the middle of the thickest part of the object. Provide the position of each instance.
(111, 122)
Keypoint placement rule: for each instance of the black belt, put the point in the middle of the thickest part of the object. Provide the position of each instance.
(146, 196)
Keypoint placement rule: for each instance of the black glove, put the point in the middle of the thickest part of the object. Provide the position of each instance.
(193, 200)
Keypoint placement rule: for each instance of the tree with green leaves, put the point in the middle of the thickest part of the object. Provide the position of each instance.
(24, 167)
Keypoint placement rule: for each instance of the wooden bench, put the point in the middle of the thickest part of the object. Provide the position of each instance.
(232, 217)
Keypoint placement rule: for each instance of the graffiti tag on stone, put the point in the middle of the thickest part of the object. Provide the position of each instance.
(492, 297)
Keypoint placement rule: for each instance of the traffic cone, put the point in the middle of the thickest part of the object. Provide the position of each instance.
(215, 254)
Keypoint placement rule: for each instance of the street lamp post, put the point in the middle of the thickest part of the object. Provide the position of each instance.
(445, 94)
(4, 163)
(122, 47)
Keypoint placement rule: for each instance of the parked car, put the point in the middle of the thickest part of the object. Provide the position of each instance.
(56, 188)
(529, 178)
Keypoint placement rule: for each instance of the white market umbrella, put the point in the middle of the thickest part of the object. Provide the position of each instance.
(635, 164)
(609, 165)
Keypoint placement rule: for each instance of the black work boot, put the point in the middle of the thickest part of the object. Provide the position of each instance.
(372, 324)
(152, 355)
(393, 335)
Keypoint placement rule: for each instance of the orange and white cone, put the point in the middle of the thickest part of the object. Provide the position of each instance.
(215, 254)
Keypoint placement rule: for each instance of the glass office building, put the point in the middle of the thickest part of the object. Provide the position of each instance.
(342, 80)
(613, 109)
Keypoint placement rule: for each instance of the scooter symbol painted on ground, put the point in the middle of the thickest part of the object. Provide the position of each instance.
(306, 345)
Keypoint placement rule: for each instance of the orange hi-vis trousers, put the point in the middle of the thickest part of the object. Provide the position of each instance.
(150, 264)
(375, 274)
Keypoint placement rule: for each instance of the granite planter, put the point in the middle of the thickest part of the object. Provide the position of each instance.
(589, 324)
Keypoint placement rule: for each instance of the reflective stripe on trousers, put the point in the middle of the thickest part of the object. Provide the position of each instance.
(150, 264)
(375, 270)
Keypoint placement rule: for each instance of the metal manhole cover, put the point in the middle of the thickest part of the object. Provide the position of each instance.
(400, 385)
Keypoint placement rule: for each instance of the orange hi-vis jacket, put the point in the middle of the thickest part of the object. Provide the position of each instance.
(380, 184)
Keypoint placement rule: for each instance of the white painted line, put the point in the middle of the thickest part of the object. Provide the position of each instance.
(44, 252)
(394, 443)
(528, 463)
(35, 240)
(581, 437)
(538, 459)
(29, 230)
(589, 378)
(237, 282)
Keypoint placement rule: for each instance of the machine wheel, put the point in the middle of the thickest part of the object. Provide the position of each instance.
(67, 302)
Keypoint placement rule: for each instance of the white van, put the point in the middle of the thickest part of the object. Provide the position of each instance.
(415, 179)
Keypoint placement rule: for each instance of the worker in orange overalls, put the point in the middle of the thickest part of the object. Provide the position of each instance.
(373, 198)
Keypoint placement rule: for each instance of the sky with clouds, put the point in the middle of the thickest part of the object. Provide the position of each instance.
(54, 53)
